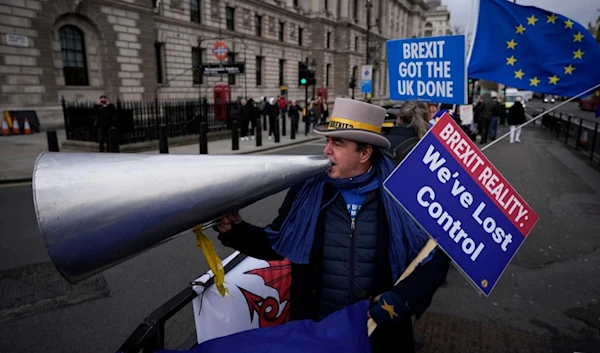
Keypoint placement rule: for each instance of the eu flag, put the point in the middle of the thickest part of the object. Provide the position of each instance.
(529, 48)
(343, 331)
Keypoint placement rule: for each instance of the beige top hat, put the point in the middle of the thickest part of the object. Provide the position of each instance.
(357, 121)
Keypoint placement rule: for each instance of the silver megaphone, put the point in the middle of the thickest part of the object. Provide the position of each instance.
(96, 210)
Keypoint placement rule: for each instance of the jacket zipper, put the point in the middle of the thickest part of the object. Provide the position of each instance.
(352, 264)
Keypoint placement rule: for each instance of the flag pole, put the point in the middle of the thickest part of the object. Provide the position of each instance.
(471, 15)
(541, 115)
(432, 244)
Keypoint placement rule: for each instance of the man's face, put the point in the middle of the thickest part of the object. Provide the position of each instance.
(346, 161)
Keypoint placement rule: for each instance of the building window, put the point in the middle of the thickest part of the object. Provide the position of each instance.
(197, 65)
(300, 30)
(281, 72)
(195, 11)
(154, 4)
(428, 30)
(259, 70)
(258, 25)
(72, 50)
(231, 60)
(281, 31)
(327, 71)
(356, 43)
(355, 11)
(159, 53)
(295, 2)
(229, 18)
(328, 40)
(326, 5)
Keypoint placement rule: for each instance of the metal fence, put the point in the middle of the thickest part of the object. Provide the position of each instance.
(138, 121)
(581, 133)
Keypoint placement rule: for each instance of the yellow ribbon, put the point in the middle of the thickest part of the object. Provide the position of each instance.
(210, 253)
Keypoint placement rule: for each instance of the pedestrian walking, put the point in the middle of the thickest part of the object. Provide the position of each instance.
(516, 117)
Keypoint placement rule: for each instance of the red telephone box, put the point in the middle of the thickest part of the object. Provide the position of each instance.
(222, 95)
(322, 92)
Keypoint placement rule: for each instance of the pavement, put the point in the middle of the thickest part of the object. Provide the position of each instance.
(18, 153)
(547, 301)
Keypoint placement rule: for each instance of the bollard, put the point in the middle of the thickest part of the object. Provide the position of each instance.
(258, 133)
(277, 130)
(283, 124)
(113, 140)
(163, 144)
(235, 141)
(203, 139)
(293, 131)
(52, 141)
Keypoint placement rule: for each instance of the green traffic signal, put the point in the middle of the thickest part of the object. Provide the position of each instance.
(303, 81)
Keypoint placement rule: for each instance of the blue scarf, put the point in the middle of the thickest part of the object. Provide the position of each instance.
(295, 238)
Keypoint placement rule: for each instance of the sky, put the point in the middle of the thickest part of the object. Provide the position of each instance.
(582, 11)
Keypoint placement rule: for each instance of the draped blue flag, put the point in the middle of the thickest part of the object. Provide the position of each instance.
(529, 48)
(343, 331)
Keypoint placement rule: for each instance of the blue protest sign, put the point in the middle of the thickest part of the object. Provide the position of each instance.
(431, 69)
(455, 193)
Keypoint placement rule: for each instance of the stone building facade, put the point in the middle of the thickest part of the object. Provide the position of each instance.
(147, 49)
(437, 22)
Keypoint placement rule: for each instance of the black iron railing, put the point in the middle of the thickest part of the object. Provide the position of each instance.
(138, 121)
(580, 133)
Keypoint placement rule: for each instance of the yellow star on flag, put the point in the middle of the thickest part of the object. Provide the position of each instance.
(569, 69)
(531, 20)
(534, 81)
(577, 37)
(554, 80)
(519, 74)
(389, 308)
(521, 29)
(578, 54)
(552, 19)
(511, 61)
(512, 44)
(568, 23)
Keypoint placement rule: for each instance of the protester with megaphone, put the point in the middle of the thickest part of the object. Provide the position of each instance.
(347, 239)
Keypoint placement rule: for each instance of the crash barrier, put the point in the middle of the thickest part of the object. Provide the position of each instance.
(577, 132)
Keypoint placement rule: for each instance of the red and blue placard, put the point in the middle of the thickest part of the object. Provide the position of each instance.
(463, 202)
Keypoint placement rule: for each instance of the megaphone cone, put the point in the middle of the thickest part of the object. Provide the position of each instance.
(96, 210)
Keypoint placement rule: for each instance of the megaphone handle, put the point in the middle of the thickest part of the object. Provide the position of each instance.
(427, 249)
(211, 224)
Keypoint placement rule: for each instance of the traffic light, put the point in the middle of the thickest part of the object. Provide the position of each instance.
(311, 78)
(352, 84)
(303, 74)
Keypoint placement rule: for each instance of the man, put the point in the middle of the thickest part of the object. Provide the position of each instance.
(347, 239)
(104, 120)
(294, 113)
(495, 121)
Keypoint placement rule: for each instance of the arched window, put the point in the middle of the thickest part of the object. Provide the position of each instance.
(428, 30)
(72, 50)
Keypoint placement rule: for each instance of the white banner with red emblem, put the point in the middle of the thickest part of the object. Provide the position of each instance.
(259, 293)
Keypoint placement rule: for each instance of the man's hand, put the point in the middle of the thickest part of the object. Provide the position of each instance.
(227, 221)
(389, 307)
